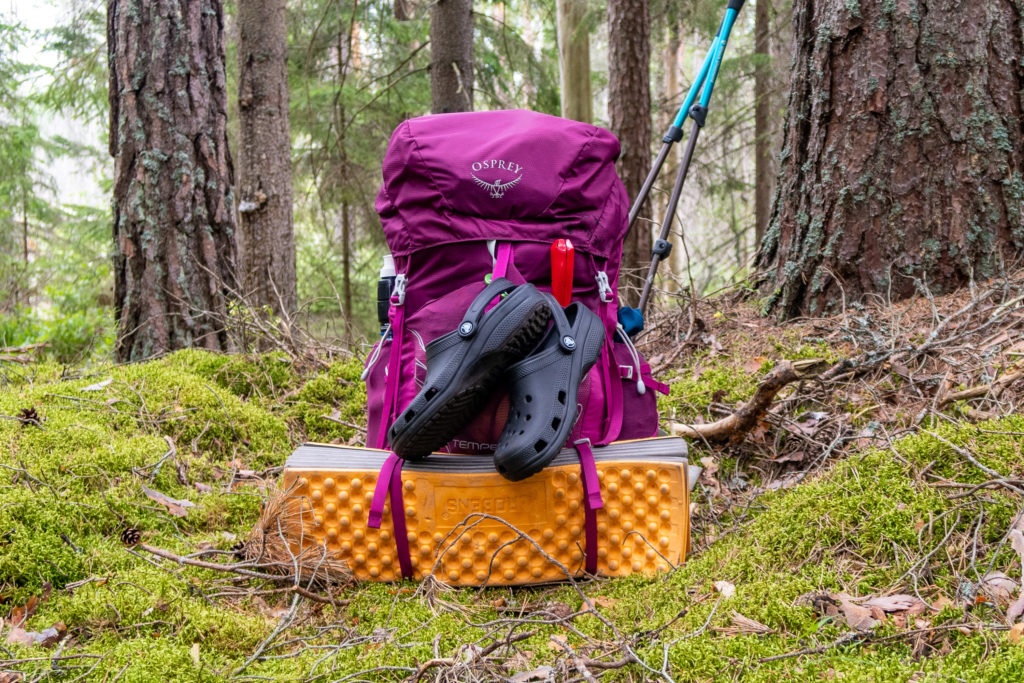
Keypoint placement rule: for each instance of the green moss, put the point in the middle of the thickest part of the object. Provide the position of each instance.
(329, 403)
(68, 489)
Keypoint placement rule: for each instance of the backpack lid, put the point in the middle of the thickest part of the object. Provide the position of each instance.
(510, 175)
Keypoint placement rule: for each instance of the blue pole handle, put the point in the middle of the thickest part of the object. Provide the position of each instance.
(719, 51)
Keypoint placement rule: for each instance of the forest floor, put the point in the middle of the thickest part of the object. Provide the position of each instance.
(866, 528)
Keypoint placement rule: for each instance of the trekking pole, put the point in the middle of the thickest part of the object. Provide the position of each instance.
(702, 87)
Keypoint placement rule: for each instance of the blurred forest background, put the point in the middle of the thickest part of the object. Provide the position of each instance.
(354, 71)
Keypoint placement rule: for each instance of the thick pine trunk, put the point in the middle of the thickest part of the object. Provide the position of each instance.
(266, 240)
(629, 111)
(174, 232)
(451, 56)
(903, 159)
(574, 60)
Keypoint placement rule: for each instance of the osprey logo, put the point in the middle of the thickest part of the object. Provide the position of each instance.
(498, 187)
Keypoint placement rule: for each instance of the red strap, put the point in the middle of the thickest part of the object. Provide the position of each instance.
(592, 502)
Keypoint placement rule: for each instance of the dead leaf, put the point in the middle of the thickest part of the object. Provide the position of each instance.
(194, 653)
(99, 386)
(754, 364)
(795, 456)
(1016, 634)
(726, 589)
(809, 423)
(203, 488)
(998, 587)
(1017, 543)
(177, 507)
(604, 602)
(856, 616)
(559, 642)
(21, 614)
(542, 674)
(45, 638)
(840, 604)
(898, 603)
(759, 434)
(1016, 609)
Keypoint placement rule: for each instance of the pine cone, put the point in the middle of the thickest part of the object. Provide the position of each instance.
(29, 416)
(130, 537)
(11, 677)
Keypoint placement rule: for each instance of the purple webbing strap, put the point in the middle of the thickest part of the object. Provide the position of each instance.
(502, 259)
(613, 397)
(389, 482)
(593, 502)
(502, 262)
(388, 414)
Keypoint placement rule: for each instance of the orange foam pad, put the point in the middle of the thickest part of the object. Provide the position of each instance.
(467, 525)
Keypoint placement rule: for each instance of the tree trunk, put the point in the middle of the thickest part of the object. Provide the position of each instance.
(451, 56)
(174, 230)
(673, 64)
(346, 262)
(903, 152)
(266, 240)
(629, 111)
(763, 176)
(574, 60)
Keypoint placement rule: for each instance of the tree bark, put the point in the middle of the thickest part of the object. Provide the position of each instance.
(629, 112)
(174, 229)
(266, 240)
(763, 176)
(903, 158)
(451, 56)
(574, 60)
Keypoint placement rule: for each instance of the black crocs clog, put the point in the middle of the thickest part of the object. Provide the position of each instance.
(464, 366)
(544, 387)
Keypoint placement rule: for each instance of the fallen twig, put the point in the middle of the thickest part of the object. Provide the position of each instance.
(746, 416)
(242, 570)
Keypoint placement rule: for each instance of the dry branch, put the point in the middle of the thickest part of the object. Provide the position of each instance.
(982, 389)
(241, 570)
(747, 415)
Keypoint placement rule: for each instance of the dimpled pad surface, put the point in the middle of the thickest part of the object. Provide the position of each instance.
(643, 527)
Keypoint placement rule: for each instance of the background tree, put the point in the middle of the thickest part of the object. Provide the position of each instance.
(762, 118)
(173, 208)
(629, 113)
(451, 56)
(574, 60)
(903, 154)
(266, 240)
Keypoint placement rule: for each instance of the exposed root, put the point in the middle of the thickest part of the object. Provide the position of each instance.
(735, 426)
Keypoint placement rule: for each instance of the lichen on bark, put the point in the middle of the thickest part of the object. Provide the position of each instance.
(903, 147)
(174, 262)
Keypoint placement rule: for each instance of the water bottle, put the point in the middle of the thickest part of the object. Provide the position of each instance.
(385, 285)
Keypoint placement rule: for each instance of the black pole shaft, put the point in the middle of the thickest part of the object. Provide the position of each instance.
(670, 212)
(634, 211)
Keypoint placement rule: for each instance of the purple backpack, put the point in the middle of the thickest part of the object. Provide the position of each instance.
(472, 195)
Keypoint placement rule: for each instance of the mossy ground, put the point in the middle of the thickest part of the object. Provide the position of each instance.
(67, 490)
